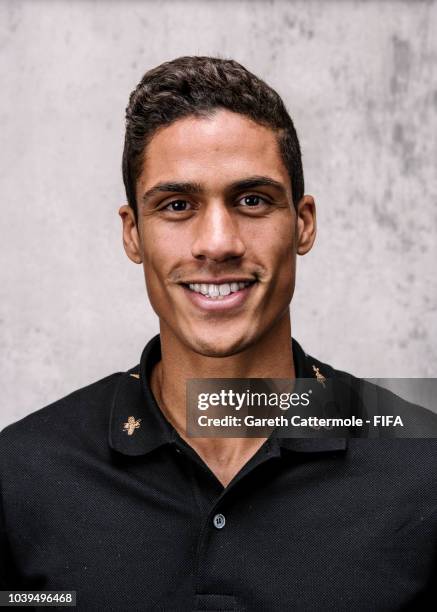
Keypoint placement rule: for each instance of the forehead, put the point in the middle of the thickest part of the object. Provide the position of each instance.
(215, 150)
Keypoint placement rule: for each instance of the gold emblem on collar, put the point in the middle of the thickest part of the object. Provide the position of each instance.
(131, 425)
(320, 378)
(134, 375)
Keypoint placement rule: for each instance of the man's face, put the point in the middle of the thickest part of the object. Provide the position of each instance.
(217, 232)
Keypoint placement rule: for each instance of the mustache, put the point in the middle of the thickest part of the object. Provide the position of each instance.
(180, 274)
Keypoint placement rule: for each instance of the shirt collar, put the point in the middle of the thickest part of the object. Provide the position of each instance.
(304, 367)
(134, 409)
(133, 399)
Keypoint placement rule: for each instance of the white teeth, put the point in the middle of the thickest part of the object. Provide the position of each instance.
(214, 290)
(217, 292)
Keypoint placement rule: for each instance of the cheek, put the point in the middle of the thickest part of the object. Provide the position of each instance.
(282, 262)
(164, 251)
(278, 244)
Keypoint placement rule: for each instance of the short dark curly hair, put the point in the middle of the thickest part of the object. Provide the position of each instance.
(197, 85)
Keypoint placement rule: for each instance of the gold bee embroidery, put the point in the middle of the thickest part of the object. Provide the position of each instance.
(134, 375)
(320, 378)
(131, 425)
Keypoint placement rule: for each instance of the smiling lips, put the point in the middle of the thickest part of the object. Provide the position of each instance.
(218, 296)
(218, 291)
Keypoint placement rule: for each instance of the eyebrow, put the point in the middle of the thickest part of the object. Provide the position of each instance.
(172, 187)
(257, 181)
(196, 188)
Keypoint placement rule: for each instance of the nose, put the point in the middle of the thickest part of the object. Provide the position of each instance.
(217, 235)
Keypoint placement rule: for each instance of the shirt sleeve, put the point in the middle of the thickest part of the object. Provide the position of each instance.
(6, 563)
(3, 547)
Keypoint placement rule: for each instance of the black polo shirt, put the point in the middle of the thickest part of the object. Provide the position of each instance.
(139, 522)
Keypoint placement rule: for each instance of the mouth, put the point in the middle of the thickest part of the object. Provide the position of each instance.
(224, 295)
(218, 291)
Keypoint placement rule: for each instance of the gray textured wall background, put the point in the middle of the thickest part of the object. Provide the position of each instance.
(359, 79)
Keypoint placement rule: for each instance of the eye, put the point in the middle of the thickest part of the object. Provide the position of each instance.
(178, 206)
(253, 201)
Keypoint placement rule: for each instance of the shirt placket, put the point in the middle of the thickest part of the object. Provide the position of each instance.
(216, 522)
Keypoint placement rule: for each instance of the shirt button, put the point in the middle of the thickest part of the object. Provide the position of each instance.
(219, 521)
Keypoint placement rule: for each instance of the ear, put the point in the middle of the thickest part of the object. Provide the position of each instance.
(306, 224)
(131, 239)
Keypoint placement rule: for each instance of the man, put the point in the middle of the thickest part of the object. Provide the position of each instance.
(105, 493)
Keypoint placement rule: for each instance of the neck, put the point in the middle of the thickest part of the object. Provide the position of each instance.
(270, 357)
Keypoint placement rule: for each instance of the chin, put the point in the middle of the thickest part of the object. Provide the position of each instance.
(211, 345)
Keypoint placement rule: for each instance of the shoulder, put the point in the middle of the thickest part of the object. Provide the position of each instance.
(402, 460)
(373, 399)
(83, 414)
